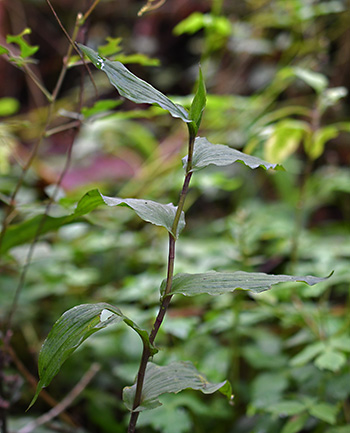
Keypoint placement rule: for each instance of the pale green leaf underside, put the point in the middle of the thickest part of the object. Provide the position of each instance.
(172, 378)
(150, 211)
(132, 87)
(217, 283)
(206, 153)
(71, 330)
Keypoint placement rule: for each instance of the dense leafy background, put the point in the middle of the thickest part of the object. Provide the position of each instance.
(276, 73)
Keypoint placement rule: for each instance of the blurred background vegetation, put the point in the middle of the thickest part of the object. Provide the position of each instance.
(277, 74)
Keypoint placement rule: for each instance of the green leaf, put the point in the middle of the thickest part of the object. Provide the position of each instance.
(3, 50)
(295, 424)
(342, 343)
(307, 354)
(331, 97)
(285, 139)
(138, 58)
(340, 429)
(26, 49)
(172, 378)
(206, 153)
(219, 25)
(192, 24)
(99, 107)
(8, 106)
(324, 412)
(330, 359)
(168, 418)
(132, 87)
(150, 211)
(199, 101)
(112, 46)
(287, 408)
(315, 147)
(317, 81)
(217, 283)
(71, 330)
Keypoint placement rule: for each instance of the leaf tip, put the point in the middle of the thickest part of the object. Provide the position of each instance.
(36, 395)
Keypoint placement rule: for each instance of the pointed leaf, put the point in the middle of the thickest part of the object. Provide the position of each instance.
(325, 412)
(287, 408)
(172, 378)
(26, 49)
(217, 283)
(150, 211)
(295, 424)
(315, 147)
(285, 139)
(112, 46)
(132, 87)
(199, 101)
(206, 153)
(317, 81)
(307, 354)
(71, 330)
(331, 359)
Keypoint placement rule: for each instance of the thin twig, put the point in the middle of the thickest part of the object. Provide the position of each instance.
(78, 23)
(33, 382)
(88, 13)
(65, 403)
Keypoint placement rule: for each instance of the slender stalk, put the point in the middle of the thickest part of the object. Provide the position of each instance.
(33, 383)
(36, 80)
(166, 297)
(64, 404)
(90, 10)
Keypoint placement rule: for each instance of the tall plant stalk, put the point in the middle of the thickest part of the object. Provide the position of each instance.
(166, 299)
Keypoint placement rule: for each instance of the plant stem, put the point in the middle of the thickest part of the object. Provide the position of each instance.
(166, 297)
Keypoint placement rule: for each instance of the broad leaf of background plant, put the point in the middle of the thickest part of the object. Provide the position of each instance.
(71, 330)
(132, 87)
(285, 139)
(174, 377)
(150, 211)
(295, 424)
(217, 283)
(317, 81)
(206, 153)
(323, 411)
(328, 354)
(315, 146)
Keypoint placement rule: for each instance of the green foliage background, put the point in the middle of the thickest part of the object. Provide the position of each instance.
(277, 73)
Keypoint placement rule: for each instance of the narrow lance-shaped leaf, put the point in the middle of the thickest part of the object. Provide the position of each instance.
(71, 330)
(150, 211)
(217, 283)
(132, 87)
(206, 153)
(199, 102)
(172, 378)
